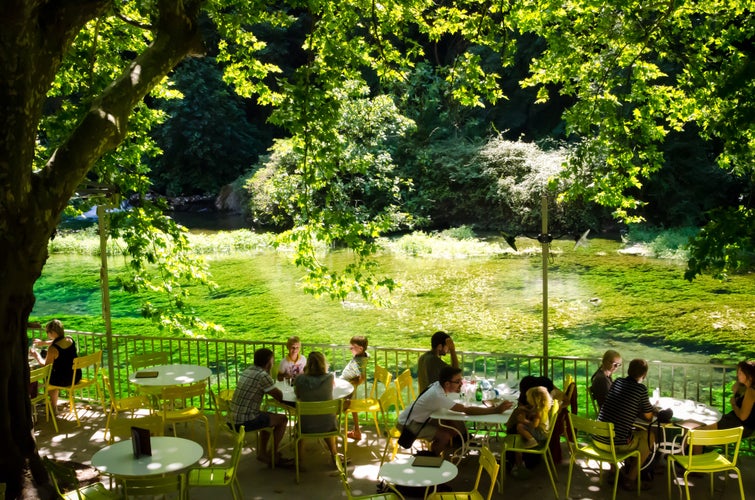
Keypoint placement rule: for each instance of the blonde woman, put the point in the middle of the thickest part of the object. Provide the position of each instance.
(60, 354)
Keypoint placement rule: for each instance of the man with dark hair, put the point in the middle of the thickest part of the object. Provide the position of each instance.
(431, 363)
(417, 415)
(626, 401)
(253, 384)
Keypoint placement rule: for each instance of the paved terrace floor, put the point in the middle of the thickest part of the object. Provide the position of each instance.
(320, 481)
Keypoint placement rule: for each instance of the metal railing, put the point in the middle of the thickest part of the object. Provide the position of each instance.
(705, 383)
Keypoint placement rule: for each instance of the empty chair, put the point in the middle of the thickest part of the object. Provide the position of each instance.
(389, 407)
(139, 361)
(177, 406)
(710, 462)
(61, 474)
(173, 484)
(489, 464)
(120, 429)
(347, 487)
(90, 366)
(40, 376)
(221, 476)
(405, 387)
(119, 405)
(583, 429)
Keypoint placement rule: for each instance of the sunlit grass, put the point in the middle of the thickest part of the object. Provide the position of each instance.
(483, 292)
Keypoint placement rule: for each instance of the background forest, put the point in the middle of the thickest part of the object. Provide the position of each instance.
(433, 163)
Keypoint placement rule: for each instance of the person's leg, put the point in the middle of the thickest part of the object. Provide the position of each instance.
(357, 432)
(330, 442)
(442, 440)
(279, 422)
(54, 399)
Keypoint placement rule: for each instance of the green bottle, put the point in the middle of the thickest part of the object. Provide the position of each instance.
(478, 392)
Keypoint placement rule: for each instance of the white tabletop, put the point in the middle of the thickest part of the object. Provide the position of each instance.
(172, 375)
(492, 418)
(687, 409)
(341, 389)
(402, 473)
(169, 454)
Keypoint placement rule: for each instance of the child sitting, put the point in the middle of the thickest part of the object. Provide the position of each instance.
(530, 421)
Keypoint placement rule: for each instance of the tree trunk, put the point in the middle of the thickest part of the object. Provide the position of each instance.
(34, 37)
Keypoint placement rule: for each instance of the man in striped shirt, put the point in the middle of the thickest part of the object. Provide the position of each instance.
(627, 400)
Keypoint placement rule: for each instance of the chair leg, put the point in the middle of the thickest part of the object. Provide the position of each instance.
(75, 411)
(571, 469)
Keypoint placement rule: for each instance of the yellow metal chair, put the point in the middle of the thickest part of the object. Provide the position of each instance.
(148, 359)
(583, 429)
(371, 404)
(90, 367)
(119, 405)
(489, 464)
(222, 403)
(64, 477)
(710, 462)
(513, 443)
(120, 429)
(177, 407)
(221, 476)
(310, 408)
(40, 376)
(405, 381)
(347, 487)
(390, 400)
(153, 486)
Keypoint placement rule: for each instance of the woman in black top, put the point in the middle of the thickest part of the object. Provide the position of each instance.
(60, 354)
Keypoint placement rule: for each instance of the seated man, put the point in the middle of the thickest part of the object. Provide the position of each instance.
(417, 415)
(253, 384)
(626, 401)
(431, 362)
(601, 380)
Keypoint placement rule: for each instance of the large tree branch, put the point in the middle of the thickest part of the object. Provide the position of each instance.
(105, 124)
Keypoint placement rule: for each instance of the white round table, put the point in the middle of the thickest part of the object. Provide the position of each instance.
(401, 472)
(169, 455)
(168, 375)
(687, 409)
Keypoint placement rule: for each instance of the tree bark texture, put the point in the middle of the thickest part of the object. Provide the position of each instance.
(34, 38)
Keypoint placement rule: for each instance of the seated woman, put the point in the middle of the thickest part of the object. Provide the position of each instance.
(316, 384)
(602, 379)
(742, 402)
(60, 354)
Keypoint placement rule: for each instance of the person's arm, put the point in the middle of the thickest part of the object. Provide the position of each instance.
(276, 394)
(743, 412)
(452, 351)
(482, 410)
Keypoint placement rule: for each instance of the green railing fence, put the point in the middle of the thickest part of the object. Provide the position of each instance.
(706, 383)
